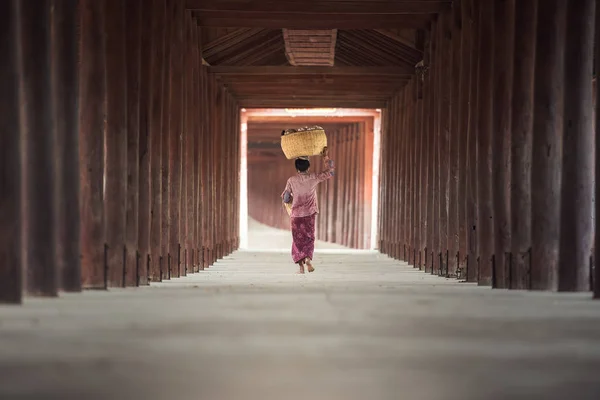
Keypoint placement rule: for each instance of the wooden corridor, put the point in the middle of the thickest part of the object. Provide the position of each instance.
(466, 145)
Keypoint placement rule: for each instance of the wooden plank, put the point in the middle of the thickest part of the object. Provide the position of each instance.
(324, 71)
(37, 125)
(10, 157)
(322, 7)
(65, 48)
(547, 144)
(578, 156)
(501, 143)
(245, 19)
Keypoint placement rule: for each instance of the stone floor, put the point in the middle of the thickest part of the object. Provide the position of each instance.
(361, 327)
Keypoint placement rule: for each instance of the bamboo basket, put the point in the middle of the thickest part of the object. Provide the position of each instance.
(304, 142)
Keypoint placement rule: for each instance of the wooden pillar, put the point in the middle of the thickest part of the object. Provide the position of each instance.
(426, 152)
(115, 200)
(445, 134)
(578, 156)
(455, 140)
(521, 142)
(431, 139)
(147, 84)
(92, 94)
(159, 78)
(133, 14)
(436, 217)
(10, 159)
(596, 277)
(65, 49)
(198, 144)
(473, 141)
(485, 127)
(463, 114)
(175, 135)
(39, 133)
(503, 76)
(547, 144)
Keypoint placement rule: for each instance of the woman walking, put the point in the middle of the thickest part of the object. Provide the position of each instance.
(301, 192)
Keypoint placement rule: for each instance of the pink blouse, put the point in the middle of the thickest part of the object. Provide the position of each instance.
(302, 189)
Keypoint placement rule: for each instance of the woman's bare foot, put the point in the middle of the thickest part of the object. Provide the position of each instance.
(308, 262)
(301, 265)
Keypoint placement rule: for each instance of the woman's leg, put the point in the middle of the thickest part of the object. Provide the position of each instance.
(303, 235)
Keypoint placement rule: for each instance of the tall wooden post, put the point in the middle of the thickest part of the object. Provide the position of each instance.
(456, 90)
(65, 49)
(175, 134)
(39, 135)
(473, 142)
(486, 113)
(165, 134)
(10, 159)
(147, 84)
(115, 201)
(464, 99)
(503, 76)
(158, 94)
(522, 137)
(596, 277)
(133, 13)
(92, 94)
(547, 144)
(578, 157)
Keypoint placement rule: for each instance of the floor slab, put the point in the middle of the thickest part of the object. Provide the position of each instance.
(361, 326)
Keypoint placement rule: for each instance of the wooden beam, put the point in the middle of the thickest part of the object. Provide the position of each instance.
(276, 70)
(322, 6)
(313, 102)
(248, 19)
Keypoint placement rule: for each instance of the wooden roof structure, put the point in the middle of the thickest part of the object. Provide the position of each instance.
(321, 53)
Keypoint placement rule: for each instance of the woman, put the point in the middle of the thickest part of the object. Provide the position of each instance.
(301, 191)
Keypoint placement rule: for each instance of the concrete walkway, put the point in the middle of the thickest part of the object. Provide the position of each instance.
(361, 327)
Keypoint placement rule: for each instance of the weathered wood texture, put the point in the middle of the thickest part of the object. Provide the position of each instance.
(10, 158)
(596, 276)
(547, 144)
(501, 135)
(37, 124)
(578, 160)
(115, 192)
(65, 75)
(92, 92)
(521, 142)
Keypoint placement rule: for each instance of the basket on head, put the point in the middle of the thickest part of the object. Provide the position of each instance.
(303, 142)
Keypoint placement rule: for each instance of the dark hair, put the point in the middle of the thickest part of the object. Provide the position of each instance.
(302, 165)
(283, 132)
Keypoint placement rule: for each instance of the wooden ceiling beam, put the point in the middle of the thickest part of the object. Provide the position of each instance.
(310, 21)
(259, 102)
(324, 71)
(322, 6)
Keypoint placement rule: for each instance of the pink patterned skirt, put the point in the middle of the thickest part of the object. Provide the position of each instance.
(303, 235)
